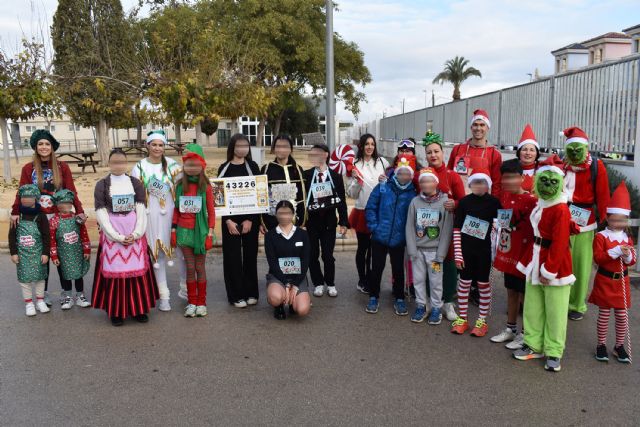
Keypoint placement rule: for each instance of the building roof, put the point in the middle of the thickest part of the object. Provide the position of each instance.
(572, 46)
(635, 27)
(611, 35)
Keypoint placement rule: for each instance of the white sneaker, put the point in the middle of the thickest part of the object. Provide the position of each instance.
(30, 309)
(252, 301)
(332, 291)
(164, 305)
(182, 293)
(66, 302)
(506, 335)
(81, 301)
(318, 291)
(190, 311)
(238, 304)
(201, 310)
(449, 311)
(42, 306)
(517, 343)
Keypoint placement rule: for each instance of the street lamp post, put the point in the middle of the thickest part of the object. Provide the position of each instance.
(330, 98)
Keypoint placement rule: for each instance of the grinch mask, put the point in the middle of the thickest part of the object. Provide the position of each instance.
(548, 185)
(575, 153)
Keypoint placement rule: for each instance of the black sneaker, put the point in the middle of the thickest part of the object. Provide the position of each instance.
(362, 287)
(621, 354)
(142, 318)
(601, 353)
(117, 321)
(575, 315)
(279, 313)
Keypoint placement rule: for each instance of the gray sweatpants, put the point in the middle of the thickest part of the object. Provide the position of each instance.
(421, 267)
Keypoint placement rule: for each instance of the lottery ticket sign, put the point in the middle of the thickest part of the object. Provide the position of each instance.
(241, 195)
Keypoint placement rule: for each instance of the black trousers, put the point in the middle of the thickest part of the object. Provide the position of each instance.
(239, 262)
(46, 281)
(322, 236)
(66, 284)
(379, 258)
(363, 256)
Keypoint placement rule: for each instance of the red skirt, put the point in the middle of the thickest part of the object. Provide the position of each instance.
(124, 297)
(607, 292)
(357, 221)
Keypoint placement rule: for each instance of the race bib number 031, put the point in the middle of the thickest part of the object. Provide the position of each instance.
(475, 227)
(123, 202)
(290, 265)
(579, 215)
(190, 204)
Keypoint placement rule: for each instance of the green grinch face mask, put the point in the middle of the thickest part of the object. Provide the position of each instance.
(575, 153)
(548, 185)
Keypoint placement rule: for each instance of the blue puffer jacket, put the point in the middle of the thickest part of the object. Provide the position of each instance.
(386, 213)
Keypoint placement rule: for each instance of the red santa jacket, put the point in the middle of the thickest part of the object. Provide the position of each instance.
(550, 255)
(478, 157)
(579, 189)
(514, 242)
(53, 229)
(607, 286)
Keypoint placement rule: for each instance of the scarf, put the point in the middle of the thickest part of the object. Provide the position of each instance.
(401, 187)
(201, 228)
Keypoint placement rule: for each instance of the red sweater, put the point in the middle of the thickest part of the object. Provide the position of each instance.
(479, 157)
(450, 183)
(514, 242)
(53, 228)
(67, 182)
(188, 220)
(580, 190)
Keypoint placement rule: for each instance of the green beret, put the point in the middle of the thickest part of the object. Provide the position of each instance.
(43, 134)
(29, 190)
(63, 196)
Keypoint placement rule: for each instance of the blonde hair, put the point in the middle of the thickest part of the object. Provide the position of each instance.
(55, 170)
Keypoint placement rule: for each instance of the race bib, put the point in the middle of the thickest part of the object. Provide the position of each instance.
(157, 188)
(123, 202)
(475, 227)
(190, 204)
(281, 192)
(579, 215)
(321, 190)
(426, 217)
(290, 265)
(504, 217)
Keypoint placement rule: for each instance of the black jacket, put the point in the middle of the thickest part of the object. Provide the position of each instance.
(327, 216)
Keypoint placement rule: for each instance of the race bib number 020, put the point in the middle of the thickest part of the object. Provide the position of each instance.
(190, 204)
(290, 265)
(123, 202)
(475, 227)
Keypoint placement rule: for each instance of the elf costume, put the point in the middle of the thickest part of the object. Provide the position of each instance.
(549, 260)
(611, 288)
(528, 171)
(586, 184)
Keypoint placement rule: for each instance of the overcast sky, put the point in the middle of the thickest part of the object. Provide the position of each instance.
(406, 42)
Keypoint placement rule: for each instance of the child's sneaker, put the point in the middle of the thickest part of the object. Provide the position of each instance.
(30, 308)
(318, 291)
(526, 353)
(201, 310)
(506, 335)
(459, 326)
(435, 318)
(419, 314)
(164, 304)
(332, 291)
(575, 316)
(372, 307)
(81, 301)
(66, 302)
(450, 311)
(400, 307)
(252, 301)
(601, 353)
(552, 364)
(42, 306)
(190, 310)
(480, 329)
(621, 354)
(517, 343)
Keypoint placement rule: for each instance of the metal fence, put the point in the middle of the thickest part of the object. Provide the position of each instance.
(603, 100)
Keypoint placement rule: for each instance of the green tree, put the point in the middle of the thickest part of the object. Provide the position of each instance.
(300, 119)
(455, 72)
(209, 126)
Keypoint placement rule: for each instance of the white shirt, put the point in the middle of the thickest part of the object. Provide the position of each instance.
(281, 232)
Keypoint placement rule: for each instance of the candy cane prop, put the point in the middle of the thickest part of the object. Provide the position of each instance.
(626, 306)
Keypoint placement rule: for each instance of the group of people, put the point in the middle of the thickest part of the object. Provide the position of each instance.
(448, 228)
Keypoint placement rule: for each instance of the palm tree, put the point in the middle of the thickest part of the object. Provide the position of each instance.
(456, 71)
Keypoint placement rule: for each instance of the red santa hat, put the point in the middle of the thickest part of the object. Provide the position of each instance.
(620, 202)
(528, 137)
(575, 134)
(406, 161)
(552, 163)
(481, 115)
(480, 174)
(428, 173)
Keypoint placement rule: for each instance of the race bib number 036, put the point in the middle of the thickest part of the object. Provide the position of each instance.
(290, 265)
(190, 204)
(475, 227)
(123, 202)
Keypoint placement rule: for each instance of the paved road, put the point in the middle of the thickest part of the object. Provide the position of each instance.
(340, 366)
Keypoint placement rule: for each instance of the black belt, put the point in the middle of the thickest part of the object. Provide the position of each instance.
(545, 243)
(582, 205)
(616, 276)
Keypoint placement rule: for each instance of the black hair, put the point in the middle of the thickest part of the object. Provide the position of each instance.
(363, 142)
(287, 138)
(285, 204)
(537, 153)
(163, 160)
(511, 166)
(117, 150)
(232, 146)
(322, 147)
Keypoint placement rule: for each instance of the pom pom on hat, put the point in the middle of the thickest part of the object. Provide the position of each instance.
(406, 161)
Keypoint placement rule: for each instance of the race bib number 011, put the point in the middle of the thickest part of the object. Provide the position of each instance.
(190, 204)
(426, 217)
(475, 227)
(290, 265)
(123, 202)
(504, 217)
(579, 215)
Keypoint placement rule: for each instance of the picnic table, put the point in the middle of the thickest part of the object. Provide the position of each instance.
(82, 158)
(132, 145)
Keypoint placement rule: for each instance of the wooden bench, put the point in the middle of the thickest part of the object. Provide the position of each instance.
(82, 159)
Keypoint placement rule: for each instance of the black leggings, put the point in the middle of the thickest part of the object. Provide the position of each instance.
(66, 284)
(46, 281)
(363, 256)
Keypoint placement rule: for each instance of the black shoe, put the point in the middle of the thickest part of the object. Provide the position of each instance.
(575, 315)
(142, 318)
(279, 313)
(474, 296)
(117, 321)
(292, 312)
(363, 287)
(621, 354)
(601, 353)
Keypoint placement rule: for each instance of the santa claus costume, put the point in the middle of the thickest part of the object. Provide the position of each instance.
(611, 288)
(547, 266)
(586, 184)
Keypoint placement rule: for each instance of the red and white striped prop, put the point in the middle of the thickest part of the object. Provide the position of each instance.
(341, 160)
